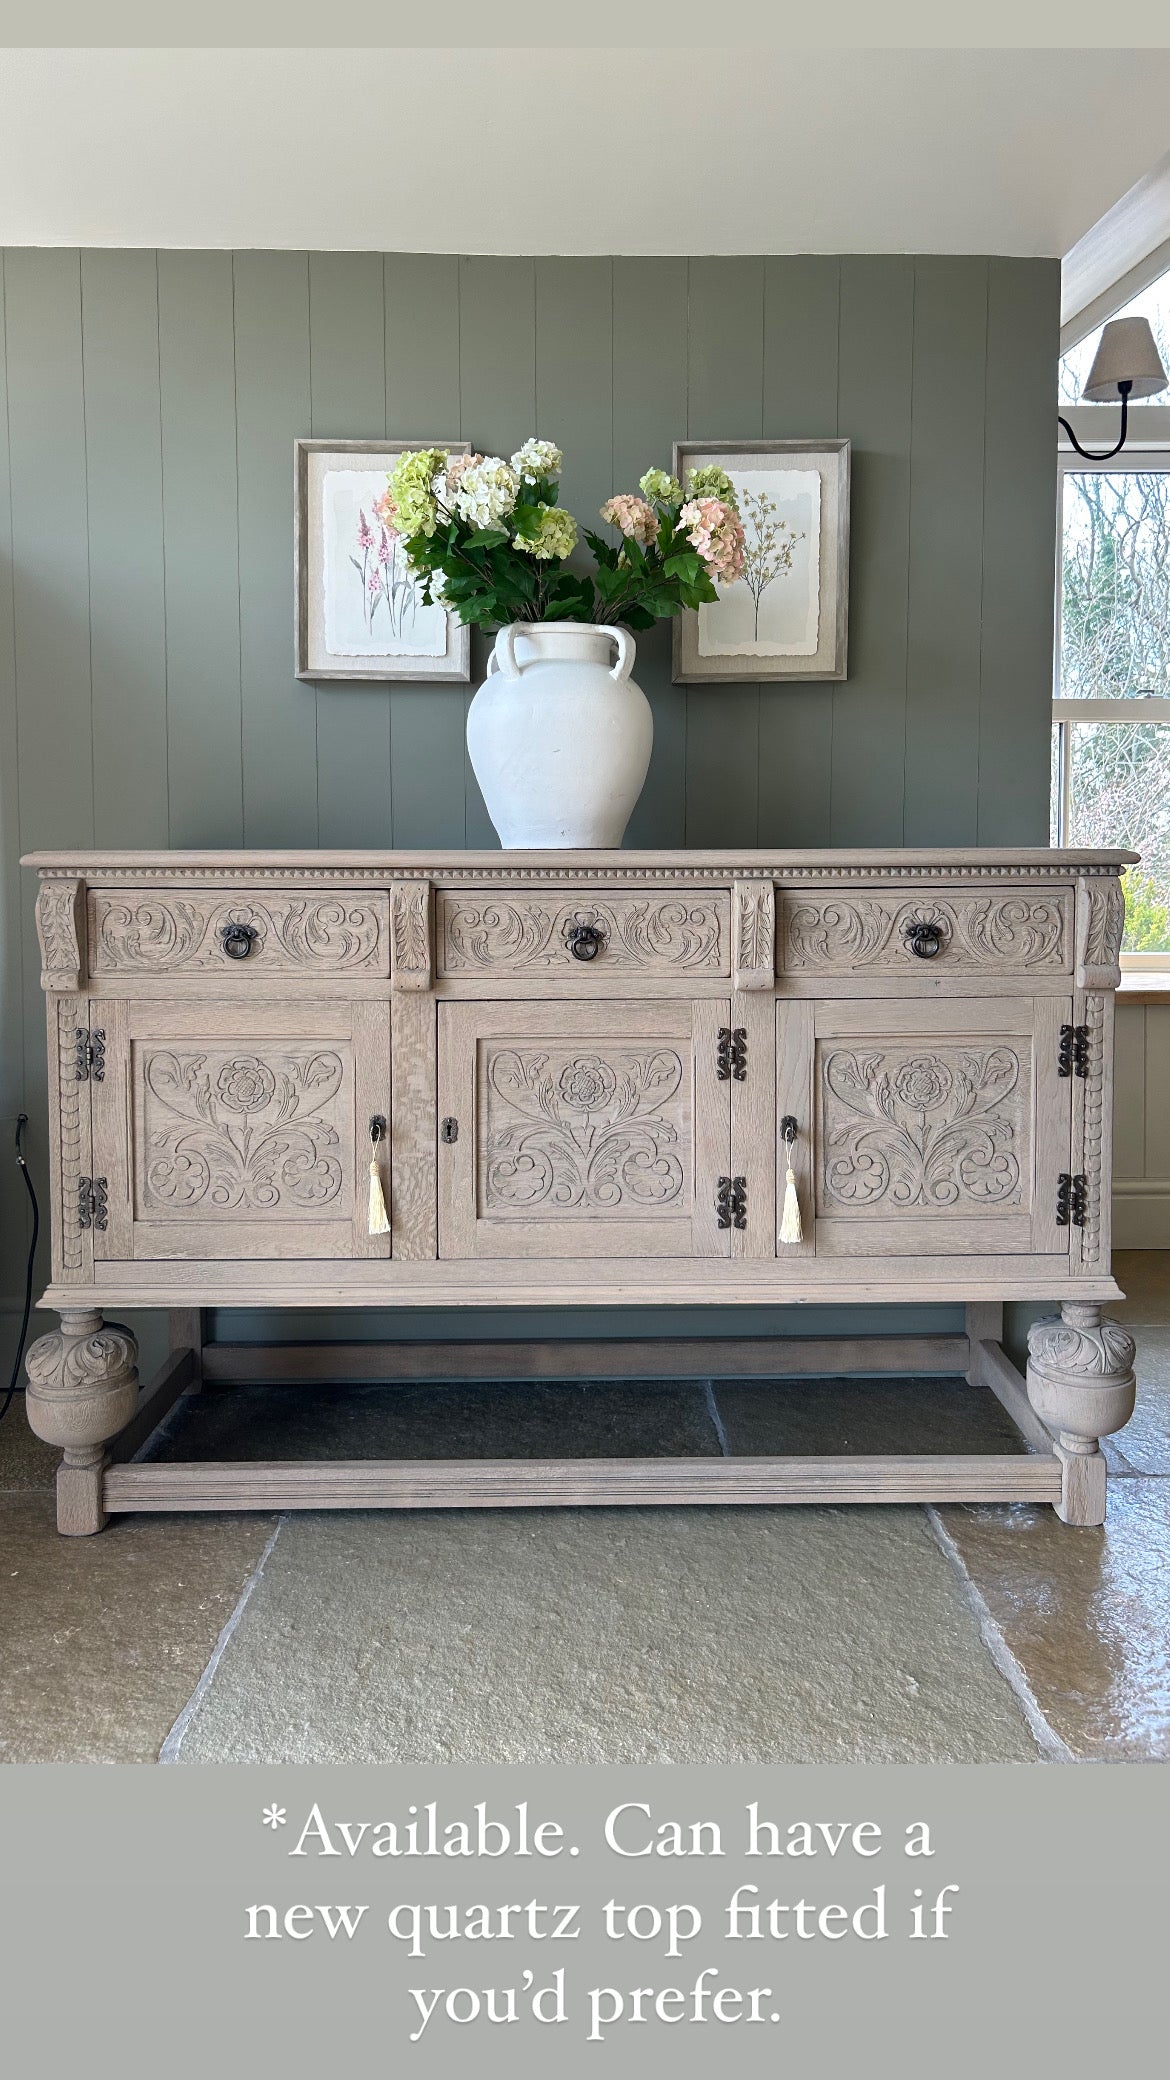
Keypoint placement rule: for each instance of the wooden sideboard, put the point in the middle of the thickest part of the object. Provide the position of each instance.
(572, 1072)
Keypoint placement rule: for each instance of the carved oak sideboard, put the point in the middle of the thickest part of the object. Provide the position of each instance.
(580, 1079)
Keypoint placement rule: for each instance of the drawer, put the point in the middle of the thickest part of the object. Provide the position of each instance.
(976, 931)
(577, 933)
(277, 932)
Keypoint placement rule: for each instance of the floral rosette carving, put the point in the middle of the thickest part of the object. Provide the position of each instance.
(920, 1130)
(242, 1132)
(593, 1132)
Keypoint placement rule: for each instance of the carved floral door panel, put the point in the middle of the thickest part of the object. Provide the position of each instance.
(936, 1128)
(582, 1130)
(233, 1131)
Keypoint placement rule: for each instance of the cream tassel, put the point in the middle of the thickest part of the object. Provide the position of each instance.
(790, 1227)
(379, 1219)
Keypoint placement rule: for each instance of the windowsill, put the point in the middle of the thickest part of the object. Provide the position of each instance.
(1149, 987)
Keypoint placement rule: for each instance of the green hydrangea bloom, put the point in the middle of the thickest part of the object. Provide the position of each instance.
(412, 492)
(712, 482)
(555, 537)
(657, 484)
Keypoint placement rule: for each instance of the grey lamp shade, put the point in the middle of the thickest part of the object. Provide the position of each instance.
(1125, 354)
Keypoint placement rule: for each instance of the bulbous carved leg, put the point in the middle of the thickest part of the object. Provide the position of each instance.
(1081, 1384)
(82, 1389)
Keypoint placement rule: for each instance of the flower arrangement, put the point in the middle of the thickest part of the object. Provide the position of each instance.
(488, 539)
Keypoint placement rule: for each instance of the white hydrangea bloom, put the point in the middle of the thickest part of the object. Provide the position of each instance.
(486, 493)
(537, 459)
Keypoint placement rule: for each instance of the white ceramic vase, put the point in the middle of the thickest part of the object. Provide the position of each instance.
(559, 735)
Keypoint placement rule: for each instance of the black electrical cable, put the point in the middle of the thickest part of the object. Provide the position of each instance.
(21, 1124)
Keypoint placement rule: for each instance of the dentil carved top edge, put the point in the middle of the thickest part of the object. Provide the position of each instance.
(246, 872)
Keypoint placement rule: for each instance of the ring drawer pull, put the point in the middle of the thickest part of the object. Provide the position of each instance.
(923, 939)
(584, 942)
(238, 940)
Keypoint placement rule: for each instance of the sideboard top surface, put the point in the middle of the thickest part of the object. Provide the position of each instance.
(803, 864)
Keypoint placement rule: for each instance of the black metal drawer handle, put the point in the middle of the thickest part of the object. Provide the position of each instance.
(923, 939)
(584, 942)
(238, 940)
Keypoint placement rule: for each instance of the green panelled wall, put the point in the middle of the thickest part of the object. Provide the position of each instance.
(147, 694)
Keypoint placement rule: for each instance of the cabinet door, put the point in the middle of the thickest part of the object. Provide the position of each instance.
(925, 1128)
(582, 1130)
(240, 1131)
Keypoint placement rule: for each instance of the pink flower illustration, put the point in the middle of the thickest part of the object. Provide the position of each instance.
(365, 536)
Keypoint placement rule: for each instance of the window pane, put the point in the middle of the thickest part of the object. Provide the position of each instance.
(1119, 794)
(1154, 304)
(1115, 585)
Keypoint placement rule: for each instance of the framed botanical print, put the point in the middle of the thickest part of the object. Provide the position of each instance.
(359, 610)
(787, 616)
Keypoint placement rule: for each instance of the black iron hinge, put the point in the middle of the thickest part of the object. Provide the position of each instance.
(1072, 1194)
(92, 1202)
(1073, 1053)
(731, 1202)
(90, 1055)
(731, 1053)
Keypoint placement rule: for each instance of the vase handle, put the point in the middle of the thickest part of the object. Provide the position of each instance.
(504, 653)
(625, 654)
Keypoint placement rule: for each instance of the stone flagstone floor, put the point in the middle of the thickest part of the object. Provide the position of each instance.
(963, 1634)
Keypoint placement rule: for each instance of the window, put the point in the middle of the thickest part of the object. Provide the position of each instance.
(1111, 712)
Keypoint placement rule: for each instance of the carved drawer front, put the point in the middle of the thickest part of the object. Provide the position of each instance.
(581, 936)
(929, 1128)
(926, 930)
(253, 933)
(582, 1130)
(225, 1131)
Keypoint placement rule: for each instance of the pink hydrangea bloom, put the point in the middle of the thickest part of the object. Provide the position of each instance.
(635, 518)
(715, 530)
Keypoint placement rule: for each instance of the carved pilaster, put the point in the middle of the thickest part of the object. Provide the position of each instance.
(1100, 923)
(82, 1389)
(61, 931)
(1093, 1160)
(1081, 1384)
(753, 925)
(410, 935)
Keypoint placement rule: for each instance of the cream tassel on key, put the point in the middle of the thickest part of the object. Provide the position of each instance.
(379, 1218)
(790, 1228)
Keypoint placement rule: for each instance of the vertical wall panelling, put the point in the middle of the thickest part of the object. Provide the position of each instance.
(272, 408)
(13, 1205)
(874, 405)
(422, 403)
(497, 384)
(50, 566)
(127, 620)
(802, 303)
(1129, 1117)
(725, 401)
(146, 594)
(946, 552)
(197, 365)
(347, 381)
(574, 378)
(1157, 1084)
(649, 407)
(1019, 552)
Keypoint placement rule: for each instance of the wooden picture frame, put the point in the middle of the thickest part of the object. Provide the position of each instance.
(808, 636)
(330, 617)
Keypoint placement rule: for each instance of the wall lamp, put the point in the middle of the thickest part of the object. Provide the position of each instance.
(1126, 364)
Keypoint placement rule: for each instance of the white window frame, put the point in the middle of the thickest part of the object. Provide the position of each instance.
(1149, 452)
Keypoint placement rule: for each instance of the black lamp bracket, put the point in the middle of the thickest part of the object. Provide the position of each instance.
(1123, 391)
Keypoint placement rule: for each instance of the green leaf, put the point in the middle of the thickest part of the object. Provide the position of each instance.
(683, 565)
(486, 538)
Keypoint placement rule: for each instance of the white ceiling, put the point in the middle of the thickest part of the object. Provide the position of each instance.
(531, 150)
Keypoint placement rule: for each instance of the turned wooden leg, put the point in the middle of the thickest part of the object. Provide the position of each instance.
(1081, 1384)
(82, 1389)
